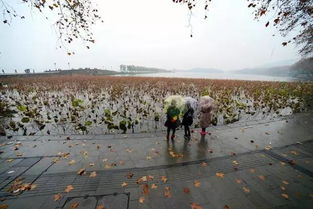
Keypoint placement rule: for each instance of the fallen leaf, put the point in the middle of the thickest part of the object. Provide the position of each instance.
(262, 177)
(100, 207)
(57, 197)
(91, 164)
(164, 179)
(144, 179)
(145, 189)
(148, 157)
(196, 183)
(285, 196)
(68, 188)
(124, 184)
(93, 174)
(186, 190)
(72, 162)
(235, 163)
(167, 192)
(130, 175)
(219, 174)
(81, 171)
(285, 182)
(245, 189)
(226, 207)
(282, 188)
(196, 206)
(141, 199)
(294, 152)
(10, 160)
(74, 205)
(154, 186)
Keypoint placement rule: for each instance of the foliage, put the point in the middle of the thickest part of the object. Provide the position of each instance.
(75, 17)
(286, 15)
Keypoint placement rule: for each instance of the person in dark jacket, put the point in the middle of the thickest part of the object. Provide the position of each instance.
(188, 119)
(172, 121)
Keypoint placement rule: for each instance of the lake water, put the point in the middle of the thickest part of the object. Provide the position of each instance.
(226, 75)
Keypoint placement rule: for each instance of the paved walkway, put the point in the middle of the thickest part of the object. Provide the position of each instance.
(259, 164)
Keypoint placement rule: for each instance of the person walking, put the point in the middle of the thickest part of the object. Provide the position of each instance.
(188, 119)
(172, 119)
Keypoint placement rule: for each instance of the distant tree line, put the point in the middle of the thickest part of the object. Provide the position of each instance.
(139, 69)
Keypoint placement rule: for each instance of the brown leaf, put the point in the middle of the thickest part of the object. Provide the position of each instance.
(196, 183)
(186, 190)
(154, 186)
(81, 171)
(226, 207)
(262, 177)
(124, 184)
(74, 205)
(164, 179)
(145, 189)
(130, 175)
(285, 182)
(220, 174)
(93, 174)
(245, 189)
(196, 206)
(57, 197)
(68, 188)
(100, 207)
(167, 192)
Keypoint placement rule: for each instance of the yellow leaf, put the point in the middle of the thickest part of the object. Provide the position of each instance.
(196, 183)
(93, 174)
(245, 189)
(72, 162)
(220, 174)
(68, 188)
(141, 199)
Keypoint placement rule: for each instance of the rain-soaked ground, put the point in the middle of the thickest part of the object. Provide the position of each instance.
(249, 164)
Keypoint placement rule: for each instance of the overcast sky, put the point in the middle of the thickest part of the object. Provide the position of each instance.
(149, 33)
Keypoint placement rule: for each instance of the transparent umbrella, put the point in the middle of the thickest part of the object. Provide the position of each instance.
(174, 100)
(206, 102)
(193, 102)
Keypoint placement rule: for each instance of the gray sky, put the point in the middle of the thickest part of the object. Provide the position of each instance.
(149, 33)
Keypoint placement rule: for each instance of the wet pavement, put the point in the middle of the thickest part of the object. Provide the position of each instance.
(256, 164)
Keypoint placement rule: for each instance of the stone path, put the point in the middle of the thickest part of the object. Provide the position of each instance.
(259, 164)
